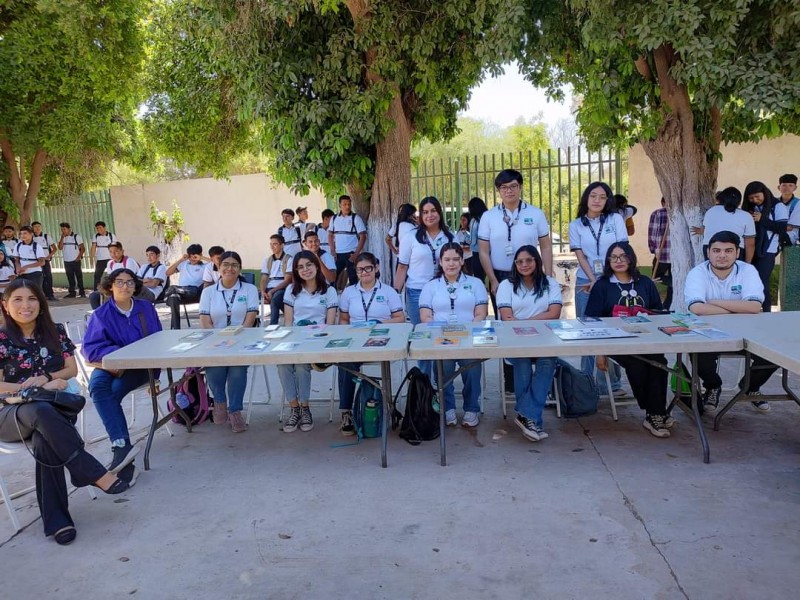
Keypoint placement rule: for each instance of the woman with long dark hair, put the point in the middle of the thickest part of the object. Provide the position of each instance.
(35, 351)
(308, 300)
(622, 289)
(771, 217)
(527, 294)
(405, 224)
(476, 208)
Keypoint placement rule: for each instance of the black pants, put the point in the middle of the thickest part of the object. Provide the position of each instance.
(764, 265)
(501, 276)
(74, 276)
(99, 269)
(343, 262)
(648, 382)
(663, 271)
(47, 280)
(477, 267)
(55, 441)
(176, 295)
(707, 372)
(34, 277)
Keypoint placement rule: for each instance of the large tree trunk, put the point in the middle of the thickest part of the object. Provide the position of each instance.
(24, 187)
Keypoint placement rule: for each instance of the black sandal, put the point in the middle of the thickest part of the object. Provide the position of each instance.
(65, 536)
(119, 486)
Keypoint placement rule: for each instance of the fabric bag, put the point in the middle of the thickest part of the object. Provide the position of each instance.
(70, 405)
(194, 390)
(420, 420)
(577, 390)
(368, 411)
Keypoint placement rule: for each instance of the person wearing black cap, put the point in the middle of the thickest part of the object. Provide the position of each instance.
(787, 186)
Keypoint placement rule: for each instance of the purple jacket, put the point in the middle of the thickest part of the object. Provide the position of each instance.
(110, 330)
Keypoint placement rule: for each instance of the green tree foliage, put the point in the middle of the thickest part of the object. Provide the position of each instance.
(678, 77)
(68, 94)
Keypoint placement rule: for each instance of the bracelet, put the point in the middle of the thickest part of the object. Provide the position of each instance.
(49, 377)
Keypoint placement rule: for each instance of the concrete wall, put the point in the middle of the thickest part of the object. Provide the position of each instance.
(741, 164)
(239, 214)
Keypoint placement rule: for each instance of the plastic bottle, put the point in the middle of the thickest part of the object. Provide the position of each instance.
(371, 419)
(182, 400)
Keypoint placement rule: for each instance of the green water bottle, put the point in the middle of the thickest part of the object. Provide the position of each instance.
(371, 419)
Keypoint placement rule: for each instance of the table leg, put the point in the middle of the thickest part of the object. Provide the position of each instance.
(154, 424)
(785, 384)
(442, 409)
(696, 410)
(386, 384)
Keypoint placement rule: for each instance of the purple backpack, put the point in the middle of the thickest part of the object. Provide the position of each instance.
(195, 390)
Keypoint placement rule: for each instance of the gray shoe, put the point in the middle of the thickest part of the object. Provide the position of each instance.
(760, 405)
(293, 421)
(306, 421)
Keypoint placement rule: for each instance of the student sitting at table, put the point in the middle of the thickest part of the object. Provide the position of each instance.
(367, 301)
(527, 294)
(454, 297)
(308, 300)
(119, 322)
(621, 290)
(723, 285)
(229, 301)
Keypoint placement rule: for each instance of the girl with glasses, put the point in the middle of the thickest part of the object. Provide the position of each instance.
(119, 322)
(229, 301)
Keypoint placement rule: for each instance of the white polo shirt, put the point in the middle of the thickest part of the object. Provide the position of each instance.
(310, 307)
(275, 272)
(794, 221)
(102, 242)
(523, 303)
(191, 274)
(11, 246)
(323, 238)
(72, 243)
(157, 272)
(328, 260)
(307, 226)
(594, 239)
(346, 229)
(743, 283)
(29, 254)
(210, 274)
(525, 226)
(362, 305)
(421, 258)
(461, 298)
(5, 276)
(44, 241)
(399, 232)
(780, 212)
(293, 237)
(216, 301)
(718, 219)
(126, 263)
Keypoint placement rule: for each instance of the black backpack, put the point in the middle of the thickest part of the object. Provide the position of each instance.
(576, 389)
(420, 423)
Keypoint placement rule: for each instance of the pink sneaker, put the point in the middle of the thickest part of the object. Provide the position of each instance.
(237, 422)
(220, 413)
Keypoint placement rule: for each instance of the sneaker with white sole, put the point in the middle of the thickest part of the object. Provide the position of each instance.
(306, 421)
(129, 474)
(347, 428)
(711, 399)
(669, 421)
(760, 405)
(620, 393)
(293, 421)
(122, 457)
(655, 425)
(450, 417)
(530, 429)
(470, 419)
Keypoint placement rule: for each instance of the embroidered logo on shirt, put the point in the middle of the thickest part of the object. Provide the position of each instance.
(528, 220)
(736, 289)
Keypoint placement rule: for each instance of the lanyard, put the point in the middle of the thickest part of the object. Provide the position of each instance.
(599, 233)
(228, 305)
(368, 304)
(508, 220)
(433, 252)
(452, 292)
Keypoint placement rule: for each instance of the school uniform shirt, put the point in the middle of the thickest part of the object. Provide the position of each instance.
(780, 212)
(6, 271)
(11, 246)
(126, 263)
(292, 237)
(462, 237)
(149, 271)
(276, 272)
(218, 302)
(72, 246)
(191, 274)
(400, 231)
(346, 230)
(421, 258)
(594, 236)
(328, 260)
(718, 219)
(102, 242)
(362, 305)
(211, 274)
(525, 226)
(459, 298)
(44, 241)
(29, 254)
(524, 303)
(310, 307)
(307, 226)
(323, 238)
(742, 283)
(794, 221)
(608, 292)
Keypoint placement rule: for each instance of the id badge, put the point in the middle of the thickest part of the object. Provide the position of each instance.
(597, 267)
(509, 250)
(452, 319)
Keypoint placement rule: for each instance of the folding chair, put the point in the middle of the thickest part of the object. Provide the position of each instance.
(610, 394)
(552, 397)
(251, 384)
(330, 400)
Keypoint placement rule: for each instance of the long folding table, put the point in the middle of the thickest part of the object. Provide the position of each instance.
(158, 352)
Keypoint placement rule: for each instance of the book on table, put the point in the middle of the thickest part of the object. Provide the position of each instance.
(484, 340)
(277, 334)
(591, 333)
(526, 331)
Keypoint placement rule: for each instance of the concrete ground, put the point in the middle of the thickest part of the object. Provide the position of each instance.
(600, 509)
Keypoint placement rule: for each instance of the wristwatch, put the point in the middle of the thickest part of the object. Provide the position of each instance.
(49, 377)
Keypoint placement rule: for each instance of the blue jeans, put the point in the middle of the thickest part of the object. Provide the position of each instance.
(471, 378)
(412, 310)
(235, 379)
(108, 392)
(296, 382)
(531, 388)
(347, 386)
(587, 362)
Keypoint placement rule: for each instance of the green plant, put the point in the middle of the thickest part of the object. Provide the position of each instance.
(168, 226)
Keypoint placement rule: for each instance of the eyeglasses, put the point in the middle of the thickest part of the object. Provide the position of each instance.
(230, 265)
(620, 258)
(304, 266)
(368, 269)
(509, 187)
(122, 283)
(524, 261)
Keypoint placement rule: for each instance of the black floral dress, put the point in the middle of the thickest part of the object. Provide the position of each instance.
(32, 359)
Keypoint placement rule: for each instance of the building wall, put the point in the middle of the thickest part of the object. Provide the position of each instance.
(239, 214)
(741, 164)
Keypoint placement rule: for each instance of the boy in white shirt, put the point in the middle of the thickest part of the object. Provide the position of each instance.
(291, 233)
(99, 251)
(190, 282)
(326, 260)
(29, 256)
(347, 236)
(72, 250)
(45, 241)
(322, 229)
(153, 274)
(211, 274)
(276, 274)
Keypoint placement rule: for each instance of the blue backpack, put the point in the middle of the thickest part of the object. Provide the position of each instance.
(576, 389)
(368, 410)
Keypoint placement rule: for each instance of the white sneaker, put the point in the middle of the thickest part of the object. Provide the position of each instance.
(620, 394)
(470, 419)
(450, 417)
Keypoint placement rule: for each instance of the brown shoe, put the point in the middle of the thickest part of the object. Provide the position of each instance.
(237, 422)
(220, 414)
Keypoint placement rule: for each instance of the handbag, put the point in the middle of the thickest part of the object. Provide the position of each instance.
(70, 405)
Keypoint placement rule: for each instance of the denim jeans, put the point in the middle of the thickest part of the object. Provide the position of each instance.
(471, 378)
(232, 378)
(108, 392)
(347, 385)
(412, 310)
(587, 362)
(531, 388)
(276, 306)
(296, 382)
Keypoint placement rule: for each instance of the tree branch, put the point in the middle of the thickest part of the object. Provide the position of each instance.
(644, 68)
(35, 179)
(16, 182)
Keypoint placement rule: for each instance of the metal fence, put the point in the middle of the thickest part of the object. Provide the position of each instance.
(81, 212)
(553, 181)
